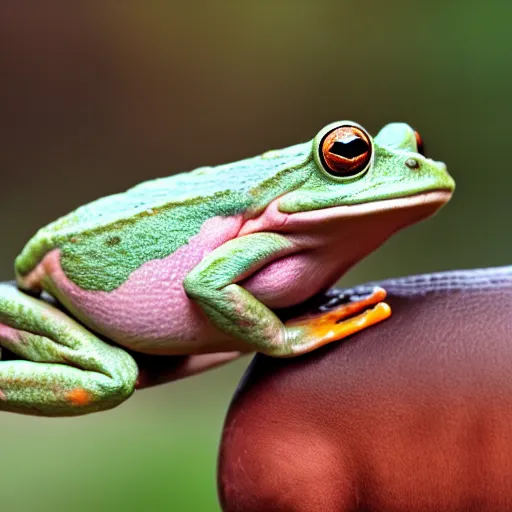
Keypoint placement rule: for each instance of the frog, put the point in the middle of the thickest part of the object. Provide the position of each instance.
(199, 264)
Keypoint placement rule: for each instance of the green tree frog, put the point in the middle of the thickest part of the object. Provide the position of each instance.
(198, 263)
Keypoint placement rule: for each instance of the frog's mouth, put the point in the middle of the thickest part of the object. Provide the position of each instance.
(401, 211)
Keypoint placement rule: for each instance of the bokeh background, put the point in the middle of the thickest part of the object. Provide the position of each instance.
(97, 96)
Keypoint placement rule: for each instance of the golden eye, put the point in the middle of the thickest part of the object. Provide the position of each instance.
(346, 151)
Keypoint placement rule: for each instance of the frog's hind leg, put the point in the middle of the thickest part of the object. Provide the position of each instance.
(65, 370)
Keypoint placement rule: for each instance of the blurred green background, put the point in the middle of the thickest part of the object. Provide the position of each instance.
(96, 97)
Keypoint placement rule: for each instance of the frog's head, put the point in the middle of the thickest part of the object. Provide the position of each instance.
(352, 168)
(360, 190)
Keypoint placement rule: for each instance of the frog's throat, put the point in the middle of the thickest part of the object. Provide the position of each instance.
(331, 241)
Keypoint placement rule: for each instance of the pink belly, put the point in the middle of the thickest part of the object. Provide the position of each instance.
(293, 279)
(150, 311)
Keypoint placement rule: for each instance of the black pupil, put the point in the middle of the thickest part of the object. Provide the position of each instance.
(349, 147)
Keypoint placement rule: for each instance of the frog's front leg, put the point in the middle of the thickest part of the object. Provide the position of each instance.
(212, 285)
(66, 370)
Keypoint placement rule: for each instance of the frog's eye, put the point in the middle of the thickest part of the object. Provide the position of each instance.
(346, 151)
(419, 143)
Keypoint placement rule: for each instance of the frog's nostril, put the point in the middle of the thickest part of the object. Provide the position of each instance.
(412, 163)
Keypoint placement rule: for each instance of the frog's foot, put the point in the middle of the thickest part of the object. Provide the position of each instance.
(63, 369)
(311, 332)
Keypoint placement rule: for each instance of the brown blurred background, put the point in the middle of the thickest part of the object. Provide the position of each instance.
(96, 97)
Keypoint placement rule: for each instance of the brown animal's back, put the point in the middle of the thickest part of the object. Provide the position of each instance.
(412, 415)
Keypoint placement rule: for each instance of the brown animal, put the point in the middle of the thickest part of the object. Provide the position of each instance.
(412, 415)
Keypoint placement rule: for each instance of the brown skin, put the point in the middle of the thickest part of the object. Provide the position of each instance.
(412, 415)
